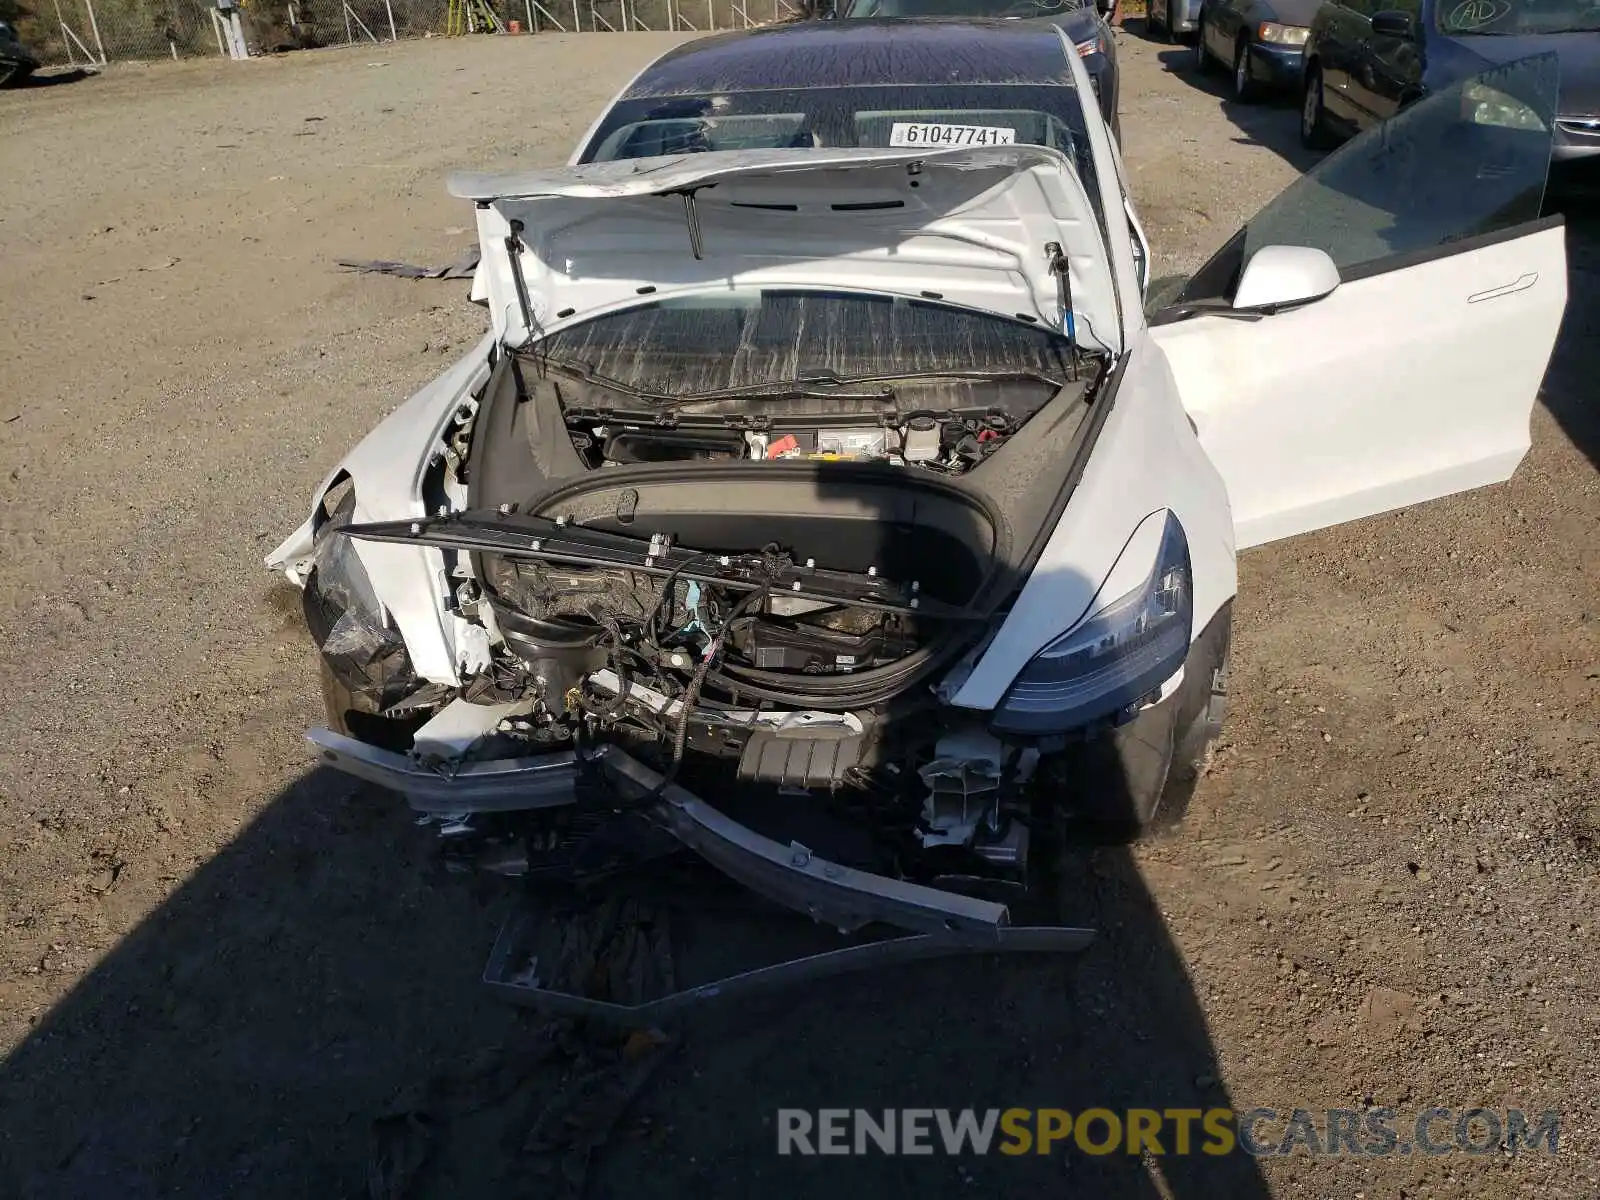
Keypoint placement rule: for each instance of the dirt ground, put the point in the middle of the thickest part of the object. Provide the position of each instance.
(220, 964)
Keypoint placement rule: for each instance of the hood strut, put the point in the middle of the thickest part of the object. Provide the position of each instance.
(1069, 325)
(514, 248)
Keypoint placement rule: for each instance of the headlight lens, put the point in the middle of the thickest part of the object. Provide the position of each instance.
(347, 622)
(1119, 654)
(1485, 105)
(1090, 46)
(1281, 35)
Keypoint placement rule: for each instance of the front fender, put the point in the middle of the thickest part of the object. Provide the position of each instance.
(387, 469)
(1146, 458)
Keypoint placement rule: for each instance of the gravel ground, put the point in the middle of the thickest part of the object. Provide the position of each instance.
(220, 964)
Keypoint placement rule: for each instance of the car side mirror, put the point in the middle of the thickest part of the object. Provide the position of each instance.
(1284, 276)
(1394, 24)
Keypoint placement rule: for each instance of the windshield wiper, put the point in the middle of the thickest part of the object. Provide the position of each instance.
(808, 385)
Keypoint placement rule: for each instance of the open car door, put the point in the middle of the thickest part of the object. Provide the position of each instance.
(1406, 367)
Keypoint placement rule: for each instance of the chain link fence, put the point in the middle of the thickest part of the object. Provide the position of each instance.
(100, 31)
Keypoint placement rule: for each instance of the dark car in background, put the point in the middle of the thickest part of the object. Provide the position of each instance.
(1259, 41)
(1365, 60)
(1083, 23)
(16, 62)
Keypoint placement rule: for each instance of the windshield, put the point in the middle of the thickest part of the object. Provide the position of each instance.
(957, 8)
(809, 118)
(1516, 18)
(729, 340)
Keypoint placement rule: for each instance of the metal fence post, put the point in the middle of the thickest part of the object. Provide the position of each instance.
(94, 28)
(389, 8)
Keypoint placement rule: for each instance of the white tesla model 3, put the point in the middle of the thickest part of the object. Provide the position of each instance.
(825, 464)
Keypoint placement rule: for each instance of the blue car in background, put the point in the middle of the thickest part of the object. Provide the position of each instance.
(1259, 42)
(1365, 60)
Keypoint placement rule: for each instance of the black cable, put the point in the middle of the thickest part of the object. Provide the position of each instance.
(666, 591)
(692, 693)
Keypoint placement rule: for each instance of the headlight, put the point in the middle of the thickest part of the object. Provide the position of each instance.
(1090, 46)
(1281, 35)
(347, 622)
(1119, 654)
(1485, 105)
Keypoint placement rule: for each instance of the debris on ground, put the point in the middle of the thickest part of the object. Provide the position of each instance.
(555, 1098)
(462, 268)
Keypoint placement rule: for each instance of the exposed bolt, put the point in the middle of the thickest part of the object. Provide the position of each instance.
(504, 509)
(872, 571)
(416, 527)
(916, 585)
(914, 602)
(811, 562)
(561, 522)
(800, 858)
(795, 585)
(832, 871)
(724, 561)
(538, 543)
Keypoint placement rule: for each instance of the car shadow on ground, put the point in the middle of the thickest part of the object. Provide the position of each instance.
(1569, 392)
(303, 1017)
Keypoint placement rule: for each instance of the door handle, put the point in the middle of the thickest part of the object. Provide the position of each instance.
(1520, 284)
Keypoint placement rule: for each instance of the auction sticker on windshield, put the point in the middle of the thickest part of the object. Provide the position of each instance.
(913, 133)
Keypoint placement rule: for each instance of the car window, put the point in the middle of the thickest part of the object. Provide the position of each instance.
(1518, 18)
(689, 135)
(806, 118)
(1467, 161)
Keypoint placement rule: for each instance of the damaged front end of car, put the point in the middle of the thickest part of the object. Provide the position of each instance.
(697, 555)
(741, 653)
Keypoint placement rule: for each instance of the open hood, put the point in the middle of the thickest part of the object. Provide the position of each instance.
(974, 227)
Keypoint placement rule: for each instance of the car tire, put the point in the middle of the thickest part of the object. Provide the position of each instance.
(1245, 88)
(1314, 131)
(1202, 59)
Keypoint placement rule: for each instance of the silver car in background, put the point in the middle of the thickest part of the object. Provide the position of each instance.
(1176, 19)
